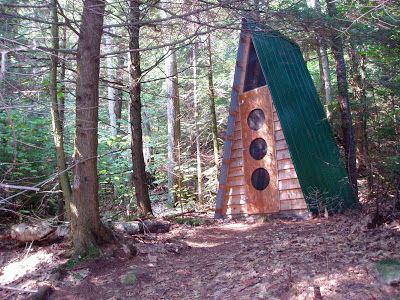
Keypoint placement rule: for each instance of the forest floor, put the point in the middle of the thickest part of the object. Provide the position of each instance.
(222, 259)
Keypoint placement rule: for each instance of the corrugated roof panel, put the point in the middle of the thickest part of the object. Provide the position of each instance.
(307, 132)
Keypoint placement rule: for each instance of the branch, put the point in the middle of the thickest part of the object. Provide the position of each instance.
(18, 187)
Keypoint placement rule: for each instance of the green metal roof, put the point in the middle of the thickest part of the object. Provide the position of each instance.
(315, 155)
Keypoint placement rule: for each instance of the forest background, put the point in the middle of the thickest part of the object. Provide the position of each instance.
(165, 74)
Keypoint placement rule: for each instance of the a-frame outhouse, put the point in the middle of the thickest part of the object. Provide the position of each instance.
(279, 151)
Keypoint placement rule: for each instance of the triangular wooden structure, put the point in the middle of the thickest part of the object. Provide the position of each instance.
(279, 151)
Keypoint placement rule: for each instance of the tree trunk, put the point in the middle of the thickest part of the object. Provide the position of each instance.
(344, 103)
(119, 78)
(358, 86)
(61, 98)
(63, 204)
(325, 71)
(359, 95)
(173, 124)
(173, 118)
(146, 145)
(139, 173)
(87, 229)
(197, 132)
(3, 65)
(211, 91)
(110, 90)
(324, 61)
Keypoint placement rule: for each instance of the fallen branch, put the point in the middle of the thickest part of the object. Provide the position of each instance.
(18, 187)
(43, 231)
(146, 226)
(4, 287)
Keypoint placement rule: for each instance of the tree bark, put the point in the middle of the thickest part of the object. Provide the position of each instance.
(146, 144)
(324, 60)
(173, 124)
(323, 54)
(61, 98)
(139, 173)
(344, 103)
(173, 121)
(57, 122)
(119, 78)
(211, 92)
(110, 90)
(87, 229)
(358, 86)
(197, 132)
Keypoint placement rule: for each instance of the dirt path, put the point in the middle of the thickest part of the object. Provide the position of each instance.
(236, 260)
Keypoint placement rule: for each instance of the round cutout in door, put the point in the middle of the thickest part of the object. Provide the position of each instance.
(258, 148)
(260, 179)
(256, 119)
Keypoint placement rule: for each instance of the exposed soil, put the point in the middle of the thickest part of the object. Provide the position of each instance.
(276, 259)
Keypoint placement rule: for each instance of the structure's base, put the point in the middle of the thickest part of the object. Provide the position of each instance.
(299, 214)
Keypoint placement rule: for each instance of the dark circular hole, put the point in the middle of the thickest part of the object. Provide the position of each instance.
(258, 148)
(260, 179)
(256, 119)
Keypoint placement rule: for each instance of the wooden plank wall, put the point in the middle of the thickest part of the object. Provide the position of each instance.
(235, 198)
(290, 194)
(238, 82)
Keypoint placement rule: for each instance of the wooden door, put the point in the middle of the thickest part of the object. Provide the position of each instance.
(259, 158)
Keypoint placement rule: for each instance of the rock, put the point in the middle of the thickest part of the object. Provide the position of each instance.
(30, 232)
(129, 278)
(389, 271)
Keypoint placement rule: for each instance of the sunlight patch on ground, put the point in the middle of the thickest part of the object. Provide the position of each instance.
(25, 265)
(395, 226)
(203, 244)
(237, 226)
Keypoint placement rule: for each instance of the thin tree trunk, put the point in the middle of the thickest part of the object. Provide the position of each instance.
(119, 78)
(110, 90)
(63, 67)
(173, 119)
(197, 131)
(173, 125)
(64, 203)
(139, 173)
(344, 103)
(324, 61)
(146, 145)
(3, 64)
(87, 229)
(358, 85)
(325, 71)
(211, 91)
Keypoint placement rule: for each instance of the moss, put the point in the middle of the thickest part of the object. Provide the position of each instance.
(92, 253)
(389, 270)
(189, 221)
(129, 278)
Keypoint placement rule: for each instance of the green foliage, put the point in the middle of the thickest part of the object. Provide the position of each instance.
(31, 147)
